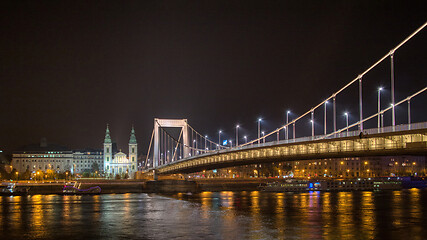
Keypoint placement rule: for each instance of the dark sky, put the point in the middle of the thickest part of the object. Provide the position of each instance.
(67, 68)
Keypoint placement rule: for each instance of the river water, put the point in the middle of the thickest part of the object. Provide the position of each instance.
(218, 215)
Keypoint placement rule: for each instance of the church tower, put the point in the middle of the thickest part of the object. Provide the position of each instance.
(133, 153)
(108, 151)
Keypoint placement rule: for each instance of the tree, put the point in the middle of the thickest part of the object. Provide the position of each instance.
(95, 167)
(26, 175)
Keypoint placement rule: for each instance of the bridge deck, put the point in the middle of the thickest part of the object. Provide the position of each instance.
(385, 143)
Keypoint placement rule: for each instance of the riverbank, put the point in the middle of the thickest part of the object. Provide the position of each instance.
(162, 186)
(138, 186)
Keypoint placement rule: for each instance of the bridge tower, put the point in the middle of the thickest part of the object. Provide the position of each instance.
(175, 123)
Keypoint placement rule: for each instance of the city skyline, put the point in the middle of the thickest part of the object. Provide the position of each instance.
(66, 76)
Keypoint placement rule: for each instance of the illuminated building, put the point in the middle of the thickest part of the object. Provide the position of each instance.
(87, 160)
(360, 167)
(42, 157)
(117, 162)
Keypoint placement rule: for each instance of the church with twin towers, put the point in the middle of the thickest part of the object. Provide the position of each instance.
(117, 162)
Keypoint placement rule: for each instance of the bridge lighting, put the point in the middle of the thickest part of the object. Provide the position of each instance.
(259, 129)
(219, 138)
(237, 135)
(324, 120)
(379, 105)
(287, 122)
(346, 119)
(246, 139)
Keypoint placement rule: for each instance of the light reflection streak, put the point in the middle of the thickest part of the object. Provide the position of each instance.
(38, 226)
(397, 208)
(206, 199)
(345, 209)
(255, 223)
(280, 212)
(415, 211)
(367, 215)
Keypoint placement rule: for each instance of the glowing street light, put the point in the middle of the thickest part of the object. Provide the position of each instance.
(324, 128)
(346, 119)
(287, 122)
(246, 139)
(219, 138)
(312, 124)
(263, 140)
(259, 129)
(237, 135)
(379, 106)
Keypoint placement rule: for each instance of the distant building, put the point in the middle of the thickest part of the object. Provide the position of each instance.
(361, 167)
(117, 162)
(42, 157)
(87, 160)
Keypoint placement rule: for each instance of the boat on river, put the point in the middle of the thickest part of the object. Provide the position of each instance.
(12, 189)
(76, 189)
(359, 184)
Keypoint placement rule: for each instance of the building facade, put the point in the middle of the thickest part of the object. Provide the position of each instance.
(42, 157)
(361, 167)
(87, 160)
(118, 163)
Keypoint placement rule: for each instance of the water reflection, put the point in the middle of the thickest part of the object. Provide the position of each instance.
(218, 215)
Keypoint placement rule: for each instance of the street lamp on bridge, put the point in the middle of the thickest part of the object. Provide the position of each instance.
(287, 122)
(219, 139)
(379, 107)
(346, 119)
(324, 128)
(259, 129)
(237, 135)
(246, 139)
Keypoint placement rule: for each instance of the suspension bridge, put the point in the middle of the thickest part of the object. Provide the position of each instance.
(191, 151)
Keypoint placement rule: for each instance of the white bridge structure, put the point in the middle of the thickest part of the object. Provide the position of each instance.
(193, 152)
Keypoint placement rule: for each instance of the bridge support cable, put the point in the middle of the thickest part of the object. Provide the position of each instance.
(149, 148)
(188, 146)
(333, 96)
(376, 114)
(203, 137)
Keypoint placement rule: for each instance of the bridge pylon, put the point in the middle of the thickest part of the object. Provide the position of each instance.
(173, 123)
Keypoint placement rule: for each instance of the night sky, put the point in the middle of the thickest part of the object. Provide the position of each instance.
(67, 68)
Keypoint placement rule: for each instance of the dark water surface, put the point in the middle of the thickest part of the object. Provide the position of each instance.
(218, 215)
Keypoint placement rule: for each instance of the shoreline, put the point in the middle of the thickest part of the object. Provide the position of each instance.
(148, 186)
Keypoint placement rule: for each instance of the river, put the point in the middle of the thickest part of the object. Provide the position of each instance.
(218, 215)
